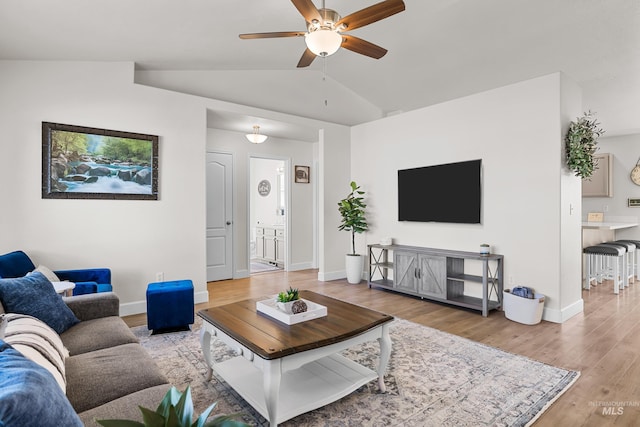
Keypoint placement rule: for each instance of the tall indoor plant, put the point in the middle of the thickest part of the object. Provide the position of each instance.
(352, 210)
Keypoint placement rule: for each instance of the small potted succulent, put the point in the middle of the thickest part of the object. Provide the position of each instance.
(289, 301)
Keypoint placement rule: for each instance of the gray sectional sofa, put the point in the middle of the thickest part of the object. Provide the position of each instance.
(108, 373)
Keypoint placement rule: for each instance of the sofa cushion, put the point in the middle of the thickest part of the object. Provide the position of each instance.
(126, 407)
(101, 376)
(38, 342)
(96, 334)
(46, 272)
(34, 295)
(29, 396)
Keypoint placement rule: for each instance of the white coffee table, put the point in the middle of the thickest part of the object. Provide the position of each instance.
(286, 370)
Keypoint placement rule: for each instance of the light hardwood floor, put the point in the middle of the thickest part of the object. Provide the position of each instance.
(603, 342)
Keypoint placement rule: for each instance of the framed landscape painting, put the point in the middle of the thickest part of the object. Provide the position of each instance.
(88, 163)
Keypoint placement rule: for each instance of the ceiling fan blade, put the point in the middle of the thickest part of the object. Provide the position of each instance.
(272, 35)
(306, 59)
(371, 14)
(362, 47)
(308, 10)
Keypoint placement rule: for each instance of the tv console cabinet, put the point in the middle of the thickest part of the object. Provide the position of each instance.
(437, 274)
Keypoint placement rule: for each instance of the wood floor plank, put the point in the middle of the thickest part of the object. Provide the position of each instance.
(603, 342)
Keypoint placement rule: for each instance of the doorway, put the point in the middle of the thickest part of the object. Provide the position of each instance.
(267, 214)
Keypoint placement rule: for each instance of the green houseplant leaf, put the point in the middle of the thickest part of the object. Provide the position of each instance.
(352, 210)
(581, 144)
(176, 410)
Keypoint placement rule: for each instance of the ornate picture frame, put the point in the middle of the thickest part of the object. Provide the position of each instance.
(89, 163)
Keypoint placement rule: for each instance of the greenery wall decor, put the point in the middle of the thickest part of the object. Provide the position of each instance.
(352, 210)
(581, 144)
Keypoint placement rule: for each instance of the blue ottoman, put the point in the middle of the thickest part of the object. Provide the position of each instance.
(170, 305)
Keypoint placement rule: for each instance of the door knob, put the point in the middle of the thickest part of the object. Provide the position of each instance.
(228, 222)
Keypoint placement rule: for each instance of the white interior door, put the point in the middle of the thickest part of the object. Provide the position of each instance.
(219, 216)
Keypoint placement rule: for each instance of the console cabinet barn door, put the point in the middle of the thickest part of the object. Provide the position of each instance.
(406, 265)
(432, 276)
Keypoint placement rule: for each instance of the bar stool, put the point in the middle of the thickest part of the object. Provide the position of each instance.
(637, 257)
(627, 266)
(598, 264)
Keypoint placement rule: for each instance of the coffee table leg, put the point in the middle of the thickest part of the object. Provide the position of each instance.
(205, 343)
(271, 378)
(385, 354)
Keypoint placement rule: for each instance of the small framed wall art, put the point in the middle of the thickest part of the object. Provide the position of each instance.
(301, 174)
(88, 163)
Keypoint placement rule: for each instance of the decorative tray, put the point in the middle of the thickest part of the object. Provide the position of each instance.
(270, 308)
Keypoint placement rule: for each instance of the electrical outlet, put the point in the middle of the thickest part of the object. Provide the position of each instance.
(160, 277)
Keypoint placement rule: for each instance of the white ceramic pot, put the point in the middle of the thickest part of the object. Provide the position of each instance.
(354, 265)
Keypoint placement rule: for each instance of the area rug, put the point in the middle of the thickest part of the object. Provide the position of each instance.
(434, 379)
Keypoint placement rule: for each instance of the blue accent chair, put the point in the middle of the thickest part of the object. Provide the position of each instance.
(88, 281)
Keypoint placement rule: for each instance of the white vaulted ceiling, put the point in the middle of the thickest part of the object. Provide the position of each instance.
(438, 50)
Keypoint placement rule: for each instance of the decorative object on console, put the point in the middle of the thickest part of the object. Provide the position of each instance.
(88, 163)
(386, 241)
(485, 249)
(176, 410)
(352, 210)
(301, 174)
(581, 145)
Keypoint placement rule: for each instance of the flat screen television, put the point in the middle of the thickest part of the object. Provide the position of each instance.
(441, 193)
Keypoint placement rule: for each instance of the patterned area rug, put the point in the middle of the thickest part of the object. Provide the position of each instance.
(434, 379)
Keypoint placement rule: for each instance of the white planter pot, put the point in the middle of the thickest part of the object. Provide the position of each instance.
(354, 265)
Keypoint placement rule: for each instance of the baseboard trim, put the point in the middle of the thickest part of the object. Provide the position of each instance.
(300, 266)
(139, 307)
(561, 316)
(333, 275)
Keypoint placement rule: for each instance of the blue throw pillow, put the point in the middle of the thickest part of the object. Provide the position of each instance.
(29, 395)
(34, 295)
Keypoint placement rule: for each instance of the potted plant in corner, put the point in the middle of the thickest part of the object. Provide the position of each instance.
(352, 210)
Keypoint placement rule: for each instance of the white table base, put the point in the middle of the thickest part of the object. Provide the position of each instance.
(280, 389)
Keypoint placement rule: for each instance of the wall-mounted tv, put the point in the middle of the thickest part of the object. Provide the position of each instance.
(441, 193)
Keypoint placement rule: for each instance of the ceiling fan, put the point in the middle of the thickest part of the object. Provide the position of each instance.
(325, 28)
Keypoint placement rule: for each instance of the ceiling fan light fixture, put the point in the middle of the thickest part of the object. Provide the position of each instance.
(323, 42)
(256, 137)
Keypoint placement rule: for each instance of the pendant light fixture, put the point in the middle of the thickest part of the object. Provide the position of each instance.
(256, 137)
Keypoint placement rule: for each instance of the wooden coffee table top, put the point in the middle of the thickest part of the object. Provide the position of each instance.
(272, 339)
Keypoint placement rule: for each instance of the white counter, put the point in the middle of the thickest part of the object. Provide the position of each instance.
(608, 225)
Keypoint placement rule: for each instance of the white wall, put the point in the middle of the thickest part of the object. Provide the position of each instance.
(626, 153)
(517, 132)
(301, 237)
(136, 239)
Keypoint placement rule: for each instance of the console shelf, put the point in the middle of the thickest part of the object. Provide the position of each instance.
(437, 274)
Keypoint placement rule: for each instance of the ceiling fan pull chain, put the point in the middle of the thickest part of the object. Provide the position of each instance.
(324, 79)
